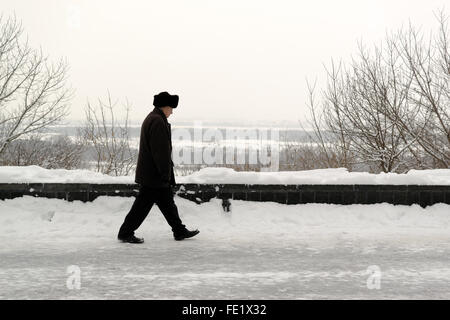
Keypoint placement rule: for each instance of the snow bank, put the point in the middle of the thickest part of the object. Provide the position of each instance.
(319, 176)
(30, 174)
(56, 221)
(36, 174)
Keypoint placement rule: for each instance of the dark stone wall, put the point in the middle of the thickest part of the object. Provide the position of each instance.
(68, 191)
(288, 194)
(337, 194)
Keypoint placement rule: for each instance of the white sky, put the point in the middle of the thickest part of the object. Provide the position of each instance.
(227, 59)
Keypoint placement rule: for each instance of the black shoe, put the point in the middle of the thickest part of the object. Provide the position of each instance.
(185, 234)
(131, 239)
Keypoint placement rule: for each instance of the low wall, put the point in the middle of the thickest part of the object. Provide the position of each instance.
(423, 195)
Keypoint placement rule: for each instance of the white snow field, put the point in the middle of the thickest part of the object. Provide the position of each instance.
(256, 251)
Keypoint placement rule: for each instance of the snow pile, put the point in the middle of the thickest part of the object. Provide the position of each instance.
(319, 176)
(30, 174)
(36, 174)
(56, 221)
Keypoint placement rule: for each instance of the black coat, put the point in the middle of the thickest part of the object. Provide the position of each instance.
(154, 166)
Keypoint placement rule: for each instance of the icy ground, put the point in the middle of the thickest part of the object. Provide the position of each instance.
(257, 251)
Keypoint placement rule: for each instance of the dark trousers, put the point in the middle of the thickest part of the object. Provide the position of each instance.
(147, 196)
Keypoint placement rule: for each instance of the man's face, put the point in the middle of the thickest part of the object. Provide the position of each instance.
(167, 111)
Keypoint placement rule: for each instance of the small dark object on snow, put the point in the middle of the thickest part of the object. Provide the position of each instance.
(226, 205)
(131, 239)
(185, 234)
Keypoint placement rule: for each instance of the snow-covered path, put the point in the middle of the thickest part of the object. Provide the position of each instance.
(258, 251)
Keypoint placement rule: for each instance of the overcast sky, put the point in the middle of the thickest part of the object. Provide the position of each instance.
(226, 59)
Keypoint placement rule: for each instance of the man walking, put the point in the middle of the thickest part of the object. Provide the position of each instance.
(154, 173)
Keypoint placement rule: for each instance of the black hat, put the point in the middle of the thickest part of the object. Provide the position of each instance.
(164, 99)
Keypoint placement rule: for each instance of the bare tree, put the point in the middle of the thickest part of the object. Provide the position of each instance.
(33, 92)
(389, 107)
(375, 85)
(57, 152)
(114, 154)
(330, 146)
(428, 61)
